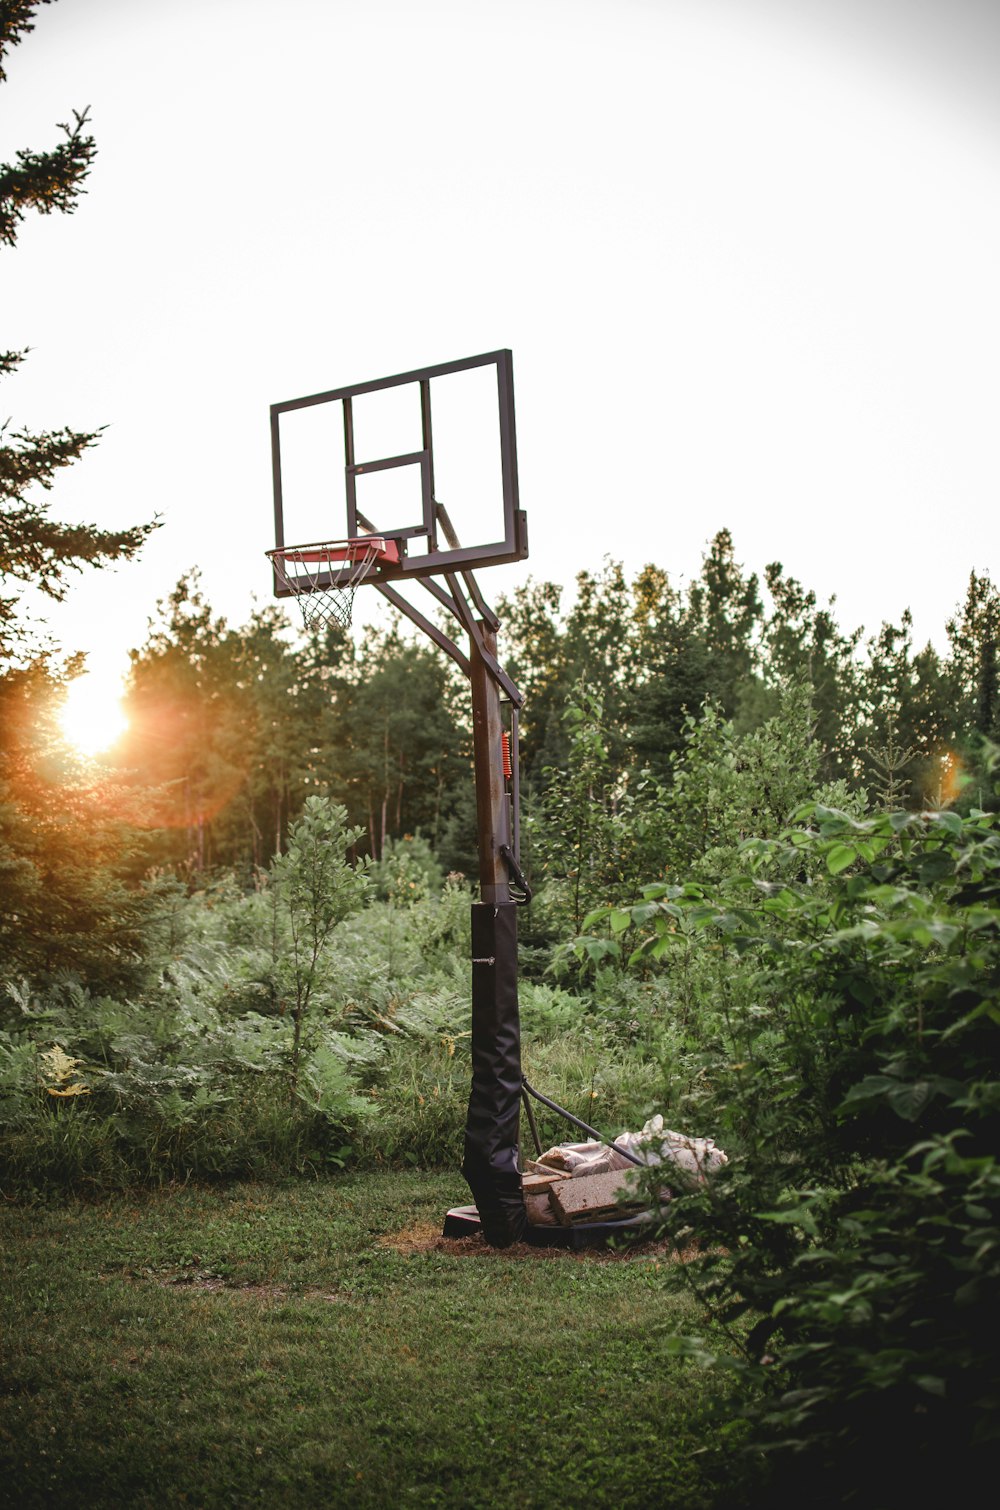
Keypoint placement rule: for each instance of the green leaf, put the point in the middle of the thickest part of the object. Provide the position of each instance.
(792, 1216)
(951, 822)
(644, 911)
(835, 817)
(839, 857)
(598, 949)
(658, 948)
(909, 1101)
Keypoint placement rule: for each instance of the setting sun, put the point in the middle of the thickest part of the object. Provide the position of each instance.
(92, 717)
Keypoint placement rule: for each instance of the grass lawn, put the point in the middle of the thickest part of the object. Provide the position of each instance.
(311, 1344)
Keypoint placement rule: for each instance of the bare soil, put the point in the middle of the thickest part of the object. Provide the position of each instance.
(425, 1237)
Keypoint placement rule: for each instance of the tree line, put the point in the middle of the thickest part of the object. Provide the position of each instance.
(231, 728)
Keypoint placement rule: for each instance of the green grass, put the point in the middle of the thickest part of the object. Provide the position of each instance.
(234, 1345)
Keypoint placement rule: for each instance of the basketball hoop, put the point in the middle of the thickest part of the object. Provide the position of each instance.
(307, 572)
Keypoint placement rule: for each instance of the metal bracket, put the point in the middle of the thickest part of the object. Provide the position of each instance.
(422, 622)
(554, 1106)
(482, 607)
(471, 624)
(518, 883)
(457, 605)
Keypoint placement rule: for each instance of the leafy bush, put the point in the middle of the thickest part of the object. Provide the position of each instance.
(234, 1059)
(407, 871)
(853, 1243)
(598, 1080)
(420, 1093)
(161, 1090)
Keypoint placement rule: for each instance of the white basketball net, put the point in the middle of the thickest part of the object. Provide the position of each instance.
(301, 568)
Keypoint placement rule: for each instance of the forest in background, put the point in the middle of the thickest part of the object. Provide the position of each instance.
(231, 729)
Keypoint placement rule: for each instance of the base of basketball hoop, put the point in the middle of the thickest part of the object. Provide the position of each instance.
(463, 1221)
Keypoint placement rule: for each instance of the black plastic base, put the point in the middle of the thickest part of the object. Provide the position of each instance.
(463, 1221)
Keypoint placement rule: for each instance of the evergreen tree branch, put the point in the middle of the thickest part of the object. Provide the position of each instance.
(10, 361)
(46, 181)
(16, 20)
(33, 547)
(40, 551)
(35, 457)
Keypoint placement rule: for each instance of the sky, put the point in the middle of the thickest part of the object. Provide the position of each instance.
(744, 252)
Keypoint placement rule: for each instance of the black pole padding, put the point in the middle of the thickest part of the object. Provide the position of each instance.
(491, 1164)
(554, 1106)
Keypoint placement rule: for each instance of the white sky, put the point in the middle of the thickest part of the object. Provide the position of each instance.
(746, 254)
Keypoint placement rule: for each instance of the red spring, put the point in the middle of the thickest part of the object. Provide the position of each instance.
(507, 768)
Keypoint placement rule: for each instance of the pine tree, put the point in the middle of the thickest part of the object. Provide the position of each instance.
(34, 548)
(973, 634)
(66, 849)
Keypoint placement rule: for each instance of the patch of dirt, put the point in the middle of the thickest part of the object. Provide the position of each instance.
(206, 1283)
(213, 1284)
(418, 1237)
(425, 1237)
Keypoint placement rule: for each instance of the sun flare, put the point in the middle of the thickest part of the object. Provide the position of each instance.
(92, 717)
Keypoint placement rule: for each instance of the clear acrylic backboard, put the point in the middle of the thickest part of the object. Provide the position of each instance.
(426, 459)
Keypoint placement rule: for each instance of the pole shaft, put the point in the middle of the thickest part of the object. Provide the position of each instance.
(491, 1162)
(491, 799)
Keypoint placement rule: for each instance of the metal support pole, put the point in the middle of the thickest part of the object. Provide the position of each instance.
(491, 1163)
(491, 798)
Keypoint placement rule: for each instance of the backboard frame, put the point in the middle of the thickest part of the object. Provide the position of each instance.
(440, 556)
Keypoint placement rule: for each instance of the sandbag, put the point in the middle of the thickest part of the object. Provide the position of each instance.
(655, 1144)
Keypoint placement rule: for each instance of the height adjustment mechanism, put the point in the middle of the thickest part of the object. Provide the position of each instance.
(520, 891)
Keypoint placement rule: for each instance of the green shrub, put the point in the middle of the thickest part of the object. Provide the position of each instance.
(280, 1023)
(166, 1088)
(853, 1243)
(421, 1093)
(407, 872)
